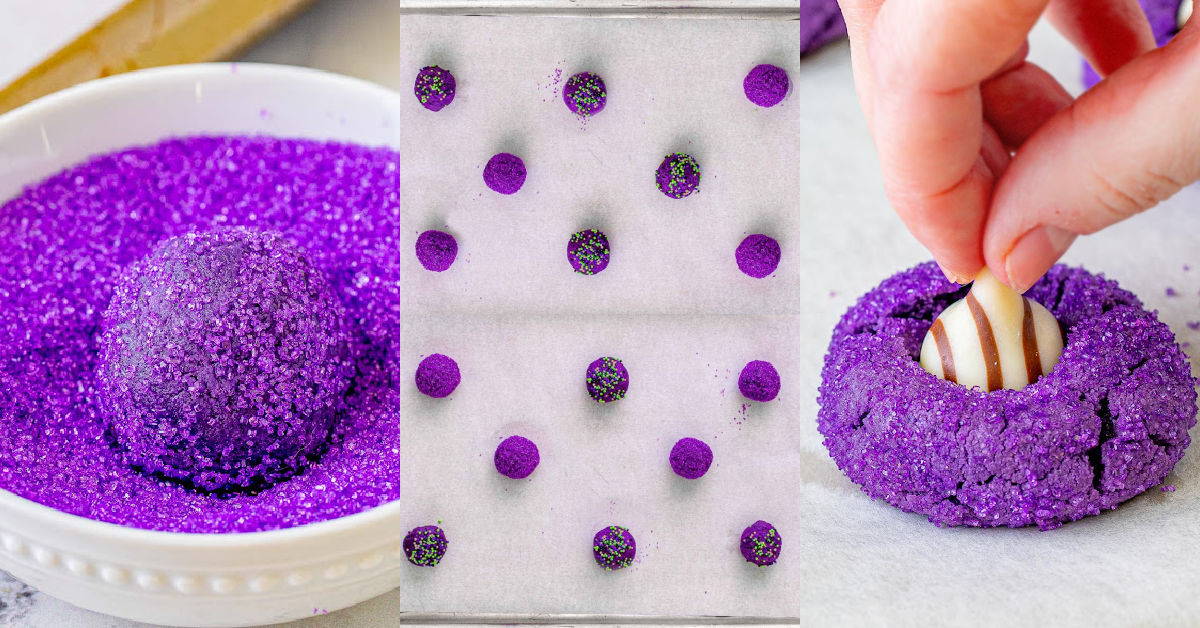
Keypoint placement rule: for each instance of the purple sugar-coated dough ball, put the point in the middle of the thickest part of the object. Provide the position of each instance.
(222, 361)
(1163, 16)
(434, 87)
(820, 23)
(516, 457)
(607, 380)
(766, 85)
(759, 381)
(758, 255)
(588, 251)
(1108, 422)
(691, 458)
(678, 175)
(585, 94)
(761, 543)
(614, 547)
(425, 546)
(436, 250)
(504, 173)
(438, 376)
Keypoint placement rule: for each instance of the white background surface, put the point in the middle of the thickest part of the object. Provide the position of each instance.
(674, 307)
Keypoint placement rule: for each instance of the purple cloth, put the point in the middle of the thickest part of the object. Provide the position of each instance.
(691, 458)
(614, 547)
(434, 88)
(1163, 16)
(437, 376)
(678, 175)
(1108, 422)
(761, 543)
(516, 457)
(820, 23)
(425, 546)
(588, 251)
(585, 94)
(759, 381)
(766, 85)
(436, 250)
(607, 380)
(504, 173)
(757, 255)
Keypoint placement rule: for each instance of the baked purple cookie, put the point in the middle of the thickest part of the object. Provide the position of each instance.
(516, 457)
(434, 87)
(614, 547)
(588, 251)
(223, 360)
(504, 173)
(436, 250)
(1107, 423)
(820, 23)
(691, 458)
(607, 380)
(1164, 17)
(761, 543)
(425, 546)
(766, 85)
(759, 381)
(437, 376)
(678, 175)
(585, 94)
(758, 255)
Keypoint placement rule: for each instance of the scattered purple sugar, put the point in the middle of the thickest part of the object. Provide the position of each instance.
(614, 547)
(766, 85)
(1171, 292)
(585, 94)
(434, 87)
(761, 543)
(691, 458)
(504, 173)
(678, 175)
(758, 255)
(64, 241)
(437, 376)
(1193, 325)
(425, 546)
(516, 457)
(1167, 488)
(588, 251)
(436, 250)
(607, 380)
(759, 381)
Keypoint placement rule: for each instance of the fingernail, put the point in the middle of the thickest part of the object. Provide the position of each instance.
(952, 277)
(1034, 254)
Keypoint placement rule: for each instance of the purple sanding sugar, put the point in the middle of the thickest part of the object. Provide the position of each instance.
(438, 376)
(820, 23)
(678, 175)
(691, 458)
(1163, 16)
(766, 85)
(504, 173)
(436, 250)
(585, 94)
(434, 88)
(1108, 422)
(63, 243)
(223, 360)
(588, 251)
(614, 547)
(425, 546)
(761, 543)
(607, 380)
(758, 255)
(516, 457)
(759, 381)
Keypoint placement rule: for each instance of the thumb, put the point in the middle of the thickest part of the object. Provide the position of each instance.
(1127, 144)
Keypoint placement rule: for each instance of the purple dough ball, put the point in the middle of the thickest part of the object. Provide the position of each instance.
(438, 376)
(585, 94)
(223, 360)
(425, 546)
(761, 543)
(436, 250)
(691, 458)
(758, 255)
(607, 380)
(504, 173)
(434, 88)
(766, 85)
(820, 23)
(588, 251)
(678, 175)
(1108, 422)
(614, 547)
(759, 381)
(1163, 16)
(516, 457)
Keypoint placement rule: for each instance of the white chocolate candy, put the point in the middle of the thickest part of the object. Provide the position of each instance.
(994, 338)
(1185, 12)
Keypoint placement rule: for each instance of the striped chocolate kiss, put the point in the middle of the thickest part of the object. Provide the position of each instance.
(992, 339)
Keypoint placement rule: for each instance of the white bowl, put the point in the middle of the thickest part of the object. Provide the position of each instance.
(196, 579)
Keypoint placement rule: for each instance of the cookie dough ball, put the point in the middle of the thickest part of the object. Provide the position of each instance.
(585, 94)
(759, 381)
(438, 376)
(757, 255)
(691, 458)
(607, 380)
(761, 543)
(434, 88)
(678, 175)
(588, 251)
(614, 547)
(1107, 423)
(425, 546)
(436, 250)
(766, 85)
(516, 457)
(504, 173)
(223, 360)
